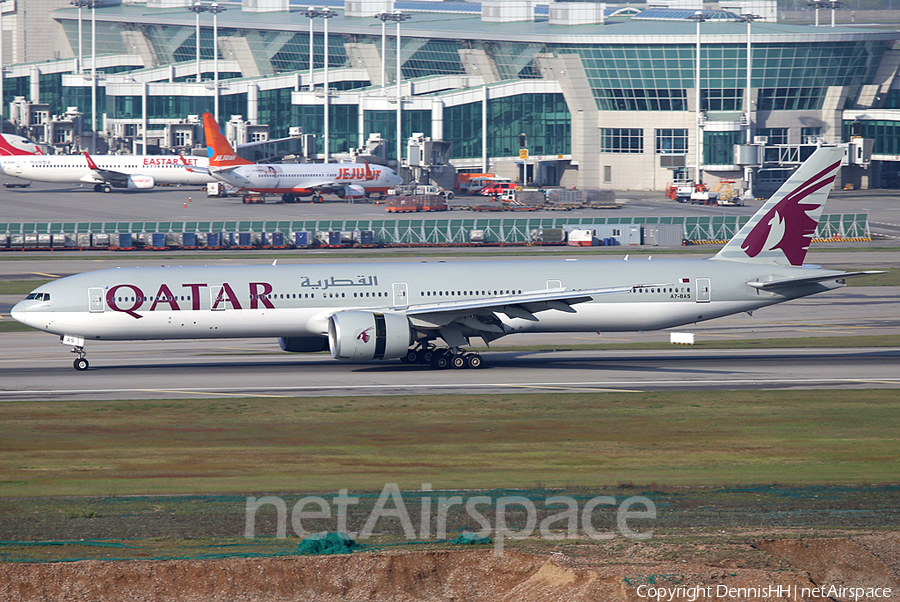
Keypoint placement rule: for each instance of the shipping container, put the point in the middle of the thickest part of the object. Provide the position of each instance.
(666, 235)
(301, 239)
(17, 241)
(100, 240)
(213, 240)
(84, 240)
(277, 239)
(189, 240)
(548, 235)
(125, 240)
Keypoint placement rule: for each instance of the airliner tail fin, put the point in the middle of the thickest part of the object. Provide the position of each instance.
(217, 147)
(21, 146)
(781, 231)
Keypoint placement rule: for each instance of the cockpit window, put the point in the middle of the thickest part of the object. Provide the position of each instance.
(38, 296)
(33, 296)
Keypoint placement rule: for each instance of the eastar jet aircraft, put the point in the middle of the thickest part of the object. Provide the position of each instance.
(368, 311)
(293, 181)
(21, 158)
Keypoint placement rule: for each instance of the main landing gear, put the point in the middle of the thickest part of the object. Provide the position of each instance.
(102, 187)
(80, 362)
(440, 359)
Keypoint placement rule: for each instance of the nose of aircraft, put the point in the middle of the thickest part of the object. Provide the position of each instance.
(18, 312)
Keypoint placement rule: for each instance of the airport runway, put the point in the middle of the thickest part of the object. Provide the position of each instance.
(34, 367)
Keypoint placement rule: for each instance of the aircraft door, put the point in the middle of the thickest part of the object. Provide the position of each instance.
(401, 294)
(96, 303)
(703, 290)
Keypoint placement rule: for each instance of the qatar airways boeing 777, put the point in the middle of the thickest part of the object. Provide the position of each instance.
(365, 311)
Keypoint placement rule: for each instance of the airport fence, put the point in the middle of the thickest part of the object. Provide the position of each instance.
(382, 232)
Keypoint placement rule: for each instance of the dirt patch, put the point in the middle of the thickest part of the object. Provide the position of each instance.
(472, 575)
(863, 562)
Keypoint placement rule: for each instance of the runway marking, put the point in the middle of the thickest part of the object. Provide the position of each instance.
(252, 391)
(570, 388)
(47, 275)
(210, 392)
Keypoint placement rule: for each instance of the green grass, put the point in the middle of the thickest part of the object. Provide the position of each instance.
(487, 441)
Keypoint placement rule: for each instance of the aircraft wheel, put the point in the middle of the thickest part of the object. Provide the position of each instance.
(98, 188)
(458, 361)
(411, 357)
(81, 364)
(318, 198)
(440, 361)
(107, 188)
(473, 360)
(427, 356)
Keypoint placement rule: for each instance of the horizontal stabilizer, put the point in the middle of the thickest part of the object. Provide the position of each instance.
(774, 284)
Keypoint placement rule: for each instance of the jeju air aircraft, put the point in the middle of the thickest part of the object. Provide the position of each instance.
(21, 158)
(428, 312)
(293, 181)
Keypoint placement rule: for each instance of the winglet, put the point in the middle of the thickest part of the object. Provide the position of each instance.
(781, 231)
(8, 150)
(217, 147)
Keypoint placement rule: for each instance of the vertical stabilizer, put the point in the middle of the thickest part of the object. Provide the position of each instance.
(780, 232)
(12, 145)
(217, 147)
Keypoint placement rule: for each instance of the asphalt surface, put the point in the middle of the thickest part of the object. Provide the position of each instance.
(57, 202)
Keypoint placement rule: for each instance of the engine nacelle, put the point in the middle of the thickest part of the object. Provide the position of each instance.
(138, 182)
(366, 335)
(354, 191)
(303, 344)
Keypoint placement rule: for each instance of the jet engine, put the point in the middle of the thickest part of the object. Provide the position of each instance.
(140, 182)
(366, 335)
(303, 344)
(354, 191)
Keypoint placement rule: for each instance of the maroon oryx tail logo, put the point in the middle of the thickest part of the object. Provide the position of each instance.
(788, 226)
(364, 336)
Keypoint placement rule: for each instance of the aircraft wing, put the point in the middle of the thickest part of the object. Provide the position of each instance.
(457, 320)
(788, 282)
(193, 168)
(108, 175)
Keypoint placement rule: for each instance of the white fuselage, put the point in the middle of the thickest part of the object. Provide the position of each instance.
(164, 169)
(304, 179)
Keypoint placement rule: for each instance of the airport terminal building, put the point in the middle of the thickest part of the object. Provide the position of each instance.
(584, 94)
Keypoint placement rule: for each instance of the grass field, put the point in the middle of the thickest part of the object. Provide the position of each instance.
(491, 441)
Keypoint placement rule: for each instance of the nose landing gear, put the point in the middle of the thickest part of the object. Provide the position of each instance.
(80, 362)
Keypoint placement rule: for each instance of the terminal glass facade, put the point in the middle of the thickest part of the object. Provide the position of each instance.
(543, 118)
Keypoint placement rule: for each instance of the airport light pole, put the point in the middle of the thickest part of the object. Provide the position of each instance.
(323, 13)
(397, 17)
(80, 4)
(92, 4)
(748, 19)
(197, 8)
(698, 17)
(215, 9)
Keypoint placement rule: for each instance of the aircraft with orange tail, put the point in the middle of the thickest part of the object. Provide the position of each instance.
(293, 181)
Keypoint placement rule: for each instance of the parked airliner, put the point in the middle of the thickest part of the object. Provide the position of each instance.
(293, 181)
(21, 158)
(365, 311)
